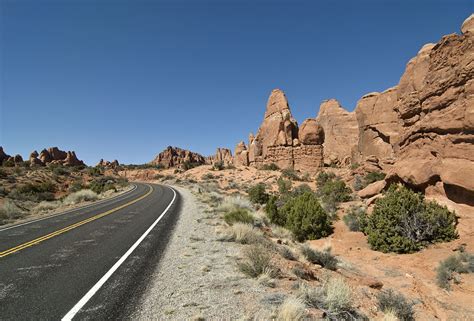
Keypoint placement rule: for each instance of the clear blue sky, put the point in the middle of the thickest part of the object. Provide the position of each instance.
(124, 79)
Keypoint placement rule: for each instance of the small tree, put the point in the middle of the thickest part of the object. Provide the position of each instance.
(306, 218)
(403, 222)
(258, 194)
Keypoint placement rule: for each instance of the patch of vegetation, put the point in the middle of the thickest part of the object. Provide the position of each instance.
(292, 309)
(81, 196)
(288, 254)
(60, 170)
(449, 269)
(355, 166)
(218, 166)
(103, 184)
(244, 234)
(323, 258)
(372, 177)
(284, 185)
(189, 165)
(338, 295)
(356, 218)
(35, 192)
(9, 210)
(257, 260)
(75, 186)
(270, 167)
(3, 173)
(390, 301)
(403, 222)
(240, 215)
(258, 194)
(290, 174)
(208, 176)
(94, 171)
(332, 191)
(305, 217)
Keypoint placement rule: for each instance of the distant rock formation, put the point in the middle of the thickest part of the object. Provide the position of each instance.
(107, 164)
(223, 155)
(3, 156)
(277, 140)
(176, 157)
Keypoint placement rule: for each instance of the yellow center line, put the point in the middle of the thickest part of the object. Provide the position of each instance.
(71, 227)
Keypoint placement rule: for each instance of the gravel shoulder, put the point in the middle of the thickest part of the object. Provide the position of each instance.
(197, 276)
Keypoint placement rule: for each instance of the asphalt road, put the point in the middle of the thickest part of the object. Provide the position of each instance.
(91, 263)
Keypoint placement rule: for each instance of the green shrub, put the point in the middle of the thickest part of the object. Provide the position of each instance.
(35, 192)
(258, 194)
(323, 258)
(189, 165)
(323, 178)
(94, 171)
(356, 219)
(403, 222)
(257, 260)
(3, 174)
(358, 183)
(273, 214)
(103, 184)
(284, 185)
(447, 269)
(270, 167)
(388, 300)
(287, 253)
(290, 173)
(208, 176)
(238, 215)
(355, 166)
(301, 189)
(75, 186)
(335, 190)
(306, 218)
(373, 177)
(60, 171)
(218, 166)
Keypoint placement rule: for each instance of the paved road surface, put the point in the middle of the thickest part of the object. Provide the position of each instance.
(90, 263)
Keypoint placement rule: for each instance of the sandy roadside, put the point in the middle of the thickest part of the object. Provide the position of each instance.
(66, 208)
(197, 277)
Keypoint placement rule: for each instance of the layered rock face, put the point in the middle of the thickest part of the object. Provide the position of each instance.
(435, 107)
(341, 132)
(175, 157)
(277, 140)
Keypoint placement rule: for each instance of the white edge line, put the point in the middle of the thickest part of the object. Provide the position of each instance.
(71, 210)
(109, 273)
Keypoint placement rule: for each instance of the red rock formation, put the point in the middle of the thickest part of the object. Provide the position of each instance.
(175, 157)
(223, 155)
(34, 161)
(107, 164)
(341, 132)
(277, 140)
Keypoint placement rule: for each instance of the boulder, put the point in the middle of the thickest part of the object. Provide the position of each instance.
(372, 189)
(241, 157)
(34, 161)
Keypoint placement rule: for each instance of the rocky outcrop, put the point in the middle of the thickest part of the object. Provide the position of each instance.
(435, 107)
(107, 164)
(341, 132)
(241, 155)
(277, 140)
(177, 157)
(54, 155)
(3, 156)
(222, 155)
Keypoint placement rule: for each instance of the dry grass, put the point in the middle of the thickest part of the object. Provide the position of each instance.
(281, 232)
(81, 196)
(257, 260)
(390, 316)
(233, 202)
(242, 233)
(338, 295)
(292, 309)
(45, 206)
(266, 278)
(9, 211)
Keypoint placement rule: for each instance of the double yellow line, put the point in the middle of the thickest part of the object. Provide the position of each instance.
(71, 227)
